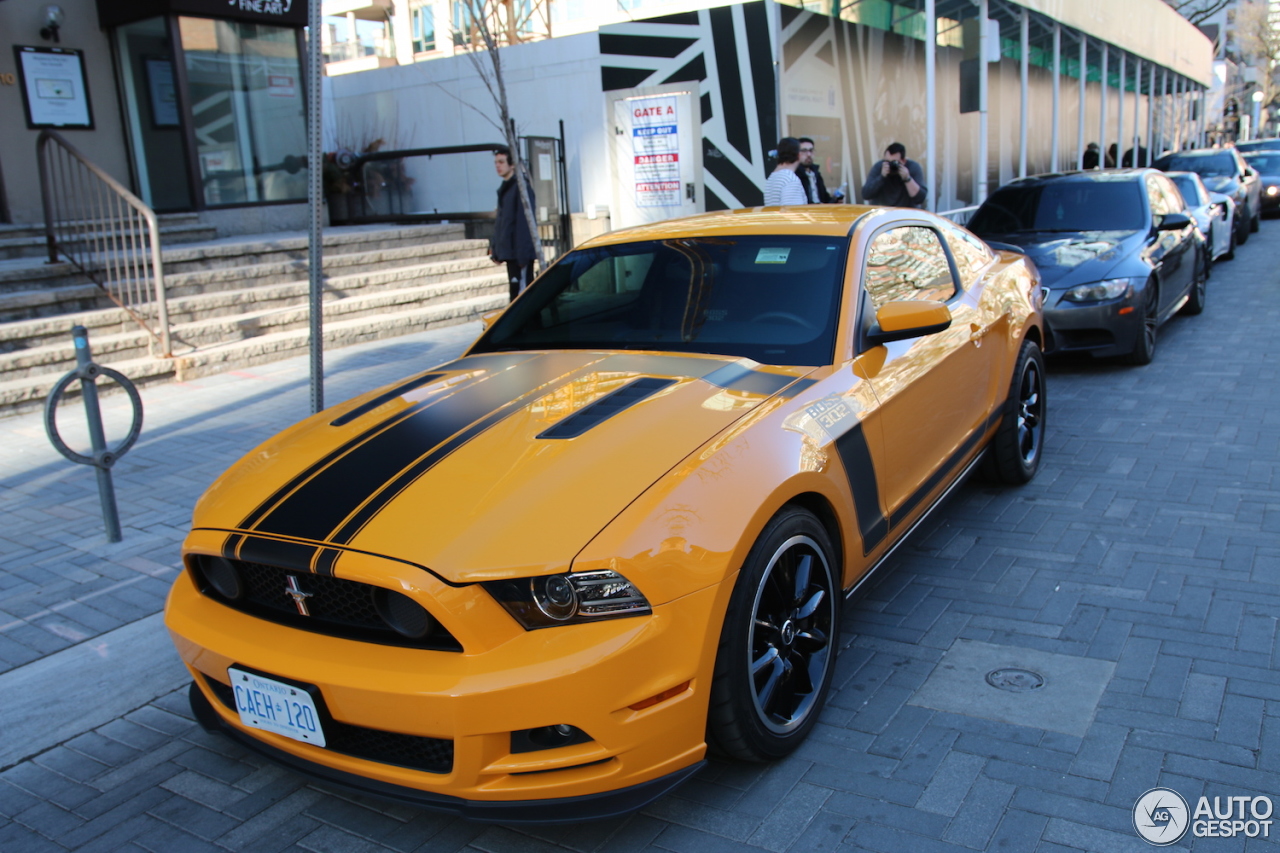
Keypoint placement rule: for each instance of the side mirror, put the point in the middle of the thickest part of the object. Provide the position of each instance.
(1173, 222)
(489, 317)
(1249, 173)
(897, 321)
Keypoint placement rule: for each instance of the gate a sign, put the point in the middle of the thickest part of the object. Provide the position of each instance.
(655, 145)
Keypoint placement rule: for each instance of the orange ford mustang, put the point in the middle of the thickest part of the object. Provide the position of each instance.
(536, 583)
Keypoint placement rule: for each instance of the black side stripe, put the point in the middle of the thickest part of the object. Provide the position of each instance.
(320, 504)
(943, 471)
(861, 471)
(596, 413)
(382, 399)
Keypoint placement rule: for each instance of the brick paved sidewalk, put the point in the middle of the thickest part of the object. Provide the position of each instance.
(1141, 569)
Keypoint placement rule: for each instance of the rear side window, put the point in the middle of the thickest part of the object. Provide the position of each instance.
(907, 262)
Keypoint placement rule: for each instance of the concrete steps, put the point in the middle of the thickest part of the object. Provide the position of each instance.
(28, 241)
(243, 301)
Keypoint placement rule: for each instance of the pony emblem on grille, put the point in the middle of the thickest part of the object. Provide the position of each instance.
(299, 597)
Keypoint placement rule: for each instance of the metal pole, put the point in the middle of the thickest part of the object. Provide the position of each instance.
(97, 439)
(315, 237)
(1084, 79)
(1151, 114)
(983, 165)
(1057, 95)
(1137, 109)
(1102, 124)
(931, 102)
(1024, 47)
(1120, 116)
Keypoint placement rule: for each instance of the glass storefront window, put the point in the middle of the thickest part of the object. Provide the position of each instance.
(248, 110)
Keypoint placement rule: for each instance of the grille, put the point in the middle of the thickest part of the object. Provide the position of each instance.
(337, 607)
(428, 754)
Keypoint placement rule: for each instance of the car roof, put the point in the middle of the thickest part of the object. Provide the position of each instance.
(831, 220)
(1095, 175)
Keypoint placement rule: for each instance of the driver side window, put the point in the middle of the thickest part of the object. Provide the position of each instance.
(907, 262)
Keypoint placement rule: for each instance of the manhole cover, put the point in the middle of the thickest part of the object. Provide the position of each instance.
(1015, 680)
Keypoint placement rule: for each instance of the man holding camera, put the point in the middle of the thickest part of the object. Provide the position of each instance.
(895, 181)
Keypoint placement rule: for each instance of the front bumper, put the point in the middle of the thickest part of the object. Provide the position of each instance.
(561, 810)
(1100, 328)
(586, 676)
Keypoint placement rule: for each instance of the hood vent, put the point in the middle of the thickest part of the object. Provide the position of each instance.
(606, 407)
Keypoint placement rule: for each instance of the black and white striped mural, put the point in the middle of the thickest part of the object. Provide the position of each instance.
(729, 51)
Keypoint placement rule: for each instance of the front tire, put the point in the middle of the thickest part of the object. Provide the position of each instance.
(1144, 348)
(778, 643)
(1246, 225)
(1256, 223)
(1230, 254)
(1014, 454)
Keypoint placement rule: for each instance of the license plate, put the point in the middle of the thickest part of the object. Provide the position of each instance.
(274, 706)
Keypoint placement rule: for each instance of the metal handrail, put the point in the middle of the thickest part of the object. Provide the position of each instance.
(960, 215)
(110, 234)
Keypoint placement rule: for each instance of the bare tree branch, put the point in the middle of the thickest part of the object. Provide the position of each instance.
(1198, 11)
(483, 15)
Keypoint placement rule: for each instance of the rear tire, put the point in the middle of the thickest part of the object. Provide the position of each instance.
(1242, 232)
(1230, 254)
(778, 643)
(1014, 454)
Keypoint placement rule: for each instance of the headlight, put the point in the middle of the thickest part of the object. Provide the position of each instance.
(1273, 190)
(1097, 292)
(564, 599)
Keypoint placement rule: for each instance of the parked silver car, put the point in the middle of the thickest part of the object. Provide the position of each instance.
(1223, 171)
(1213, 212)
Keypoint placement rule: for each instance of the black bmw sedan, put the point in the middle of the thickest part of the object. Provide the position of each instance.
(1116, 251)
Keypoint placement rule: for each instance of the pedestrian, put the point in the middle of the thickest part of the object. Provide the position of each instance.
(1091, 156)
(783, 187)
(1111, 156)
(511, 242)
(895, 181)
(1130, 160)
(815, 189)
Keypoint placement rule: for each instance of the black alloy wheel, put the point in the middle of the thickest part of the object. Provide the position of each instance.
(778, 644)
(1144, 347)
(1243, 226)
(1014, 455)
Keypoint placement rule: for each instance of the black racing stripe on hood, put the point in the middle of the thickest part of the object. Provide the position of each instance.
(321, 504)
(596, 413)
(384, 398)
(735, 377)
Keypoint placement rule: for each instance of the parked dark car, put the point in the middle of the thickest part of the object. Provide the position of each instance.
(1272, 144)
(1116, 251)
(1267, 165)
(1224, 171)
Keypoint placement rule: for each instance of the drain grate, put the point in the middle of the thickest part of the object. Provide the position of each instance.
(1015, 680)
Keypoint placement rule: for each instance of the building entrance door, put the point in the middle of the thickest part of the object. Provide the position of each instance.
(152, 114)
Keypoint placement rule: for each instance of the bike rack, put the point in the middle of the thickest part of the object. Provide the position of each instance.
(103, 457)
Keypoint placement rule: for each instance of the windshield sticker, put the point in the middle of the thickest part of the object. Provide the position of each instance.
(772, 256)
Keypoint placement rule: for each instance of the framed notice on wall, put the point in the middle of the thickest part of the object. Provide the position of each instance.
(55, 91)
(163, 91)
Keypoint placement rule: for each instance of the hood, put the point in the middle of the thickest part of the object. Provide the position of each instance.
(1220, 183)
(491, 466)
(1078, 257)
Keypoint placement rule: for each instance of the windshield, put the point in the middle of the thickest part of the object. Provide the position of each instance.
(1189, 188)
(770, 299)
(1078, 205)
(1267, 164)
(1206, 165)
